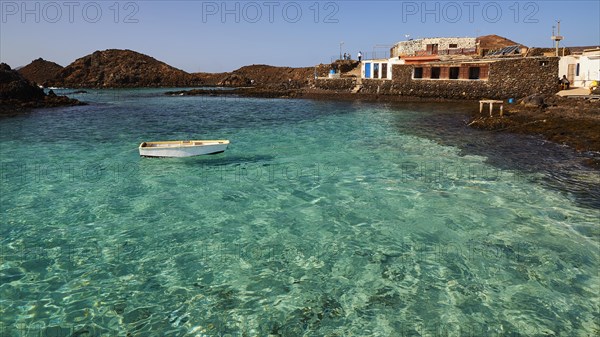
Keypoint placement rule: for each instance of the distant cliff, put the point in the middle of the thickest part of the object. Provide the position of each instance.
(114, 68)
(40, 71)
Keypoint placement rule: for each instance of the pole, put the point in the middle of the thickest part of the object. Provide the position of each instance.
(558, 36)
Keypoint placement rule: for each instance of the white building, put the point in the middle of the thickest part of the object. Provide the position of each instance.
(418, 51)
(582, 69)
(379, 68)
(435, 46)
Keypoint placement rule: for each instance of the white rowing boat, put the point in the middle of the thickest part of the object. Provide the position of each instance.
(182, 148)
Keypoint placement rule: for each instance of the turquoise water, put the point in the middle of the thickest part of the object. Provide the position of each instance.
(321, 219)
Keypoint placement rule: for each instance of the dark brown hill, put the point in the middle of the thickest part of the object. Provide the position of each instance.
(115, 68)
(209, 79)
(40, 71)
(263, 75)
(494, 42)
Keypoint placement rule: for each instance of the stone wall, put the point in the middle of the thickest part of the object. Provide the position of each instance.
(340, 84)
(513, 78)
(413, 46)
(510, 78)
(523, 77)
(449, 89)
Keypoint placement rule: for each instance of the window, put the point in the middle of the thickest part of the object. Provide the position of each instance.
(435, 72)
(454, 72)
(375, 70)
(473, 73)
(432, 49)
(577, 70)
(418, 72)
(453, 45)
(384, 70)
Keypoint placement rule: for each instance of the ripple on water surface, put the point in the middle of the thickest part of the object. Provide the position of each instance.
(321, 218)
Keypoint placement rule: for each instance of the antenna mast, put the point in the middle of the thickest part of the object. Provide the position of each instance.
(557, 38)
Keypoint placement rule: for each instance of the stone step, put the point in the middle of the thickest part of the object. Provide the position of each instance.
(357, 88)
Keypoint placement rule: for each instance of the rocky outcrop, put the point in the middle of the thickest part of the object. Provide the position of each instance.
(493, 42)
(548, 51)
(115, 68)
(40, 71)
(235, 80)
(17, 93)
(264, 76)
(13, 86)
(571, 121)
(345, 66)
(533, 101)
(209, 79)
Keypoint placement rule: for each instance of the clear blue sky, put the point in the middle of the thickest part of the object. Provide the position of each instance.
(215, 36)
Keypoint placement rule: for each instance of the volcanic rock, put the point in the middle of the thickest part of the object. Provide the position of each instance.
(18, 94)
(264, 76)
(533, 101)
(493, 42)
(40, 71)
(13, 86)
(115, 68)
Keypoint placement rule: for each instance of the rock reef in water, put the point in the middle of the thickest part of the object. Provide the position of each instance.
(571, 121)
(18, 94)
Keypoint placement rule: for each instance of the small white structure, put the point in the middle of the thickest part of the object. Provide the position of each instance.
(379, 68)
(582, 69)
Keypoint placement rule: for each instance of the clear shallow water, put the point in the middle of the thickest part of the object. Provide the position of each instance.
(321, 219)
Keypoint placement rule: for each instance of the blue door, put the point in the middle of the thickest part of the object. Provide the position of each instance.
(367, 70)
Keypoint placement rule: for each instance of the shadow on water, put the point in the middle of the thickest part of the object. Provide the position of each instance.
(219, 160)
(561, 167)
(231, 160)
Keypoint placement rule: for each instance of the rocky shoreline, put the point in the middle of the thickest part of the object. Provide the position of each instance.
(574, 122)
(308, 93)
(569, 121)
(18, 95)
(12, 107)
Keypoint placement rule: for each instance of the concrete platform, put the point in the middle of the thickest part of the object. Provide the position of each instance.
(574, 92)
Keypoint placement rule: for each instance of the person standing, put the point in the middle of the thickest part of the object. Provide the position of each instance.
(359, 56)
